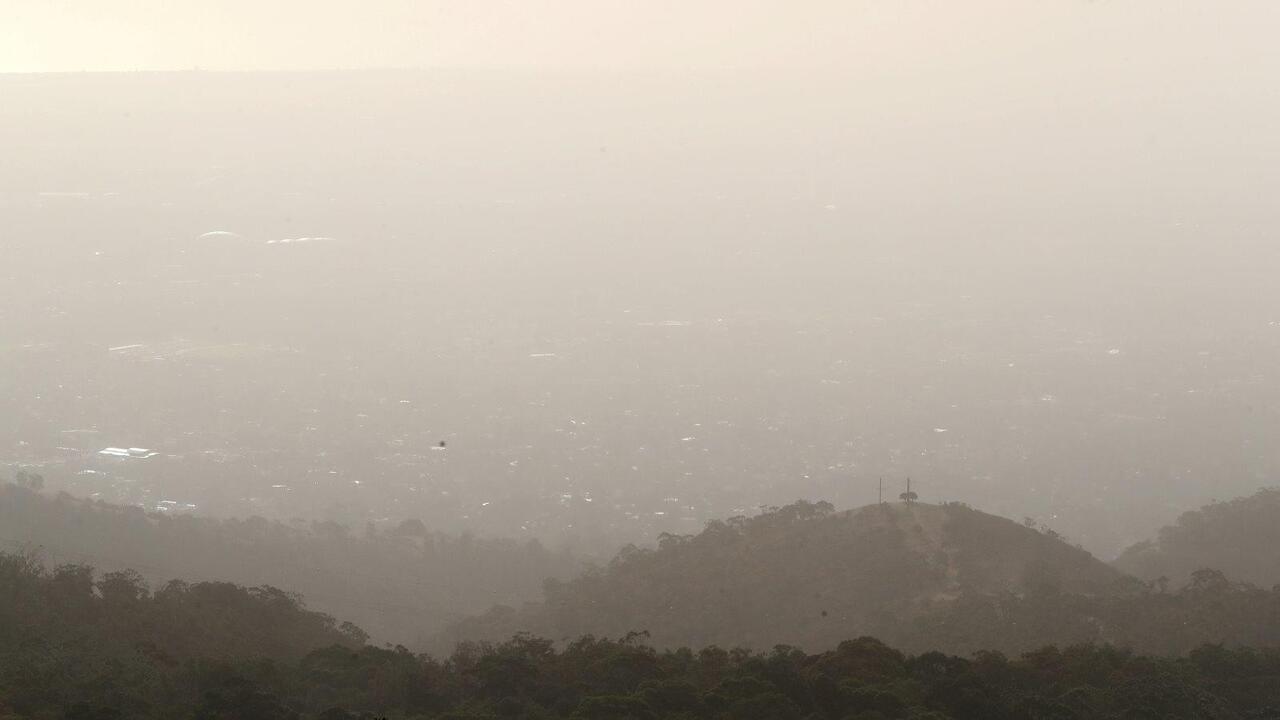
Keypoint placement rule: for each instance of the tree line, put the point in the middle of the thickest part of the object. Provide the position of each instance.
(84, 646)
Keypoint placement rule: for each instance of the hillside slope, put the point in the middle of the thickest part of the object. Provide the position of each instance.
(399, 584)
(1240, 538)
(804, 575)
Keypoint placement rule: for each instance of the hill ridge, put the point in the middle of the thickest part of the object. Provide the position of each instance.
(801, 574)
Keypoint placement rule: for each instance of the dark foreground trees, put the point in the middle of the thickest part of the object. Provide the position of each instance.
(75, 645)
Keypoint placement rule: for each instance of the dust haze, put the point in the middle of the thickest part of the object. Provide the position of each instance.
(573, 275)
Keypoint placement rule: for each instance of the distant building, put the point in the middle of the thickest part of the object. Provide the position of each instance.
(135, 453)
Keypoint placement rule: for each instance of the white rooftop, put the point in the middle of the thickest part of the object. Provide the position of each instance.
(139, 453)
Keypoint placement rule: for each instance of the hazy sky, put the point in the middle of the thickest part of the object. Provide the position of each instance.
(974, 35)
(1057, 179)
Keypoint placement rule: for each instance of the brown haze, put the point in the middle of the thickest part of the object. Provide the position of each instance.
(587, 272)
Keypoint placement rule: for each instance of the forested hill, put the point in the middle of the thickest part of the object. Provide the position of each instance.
(400, 585)
(99, 646)
(104, 646)
(82, 646)
(805, 575)
(1240, 537)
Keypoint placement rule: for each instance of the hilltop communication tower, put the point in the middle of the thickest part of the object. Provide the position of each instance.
(908, 496)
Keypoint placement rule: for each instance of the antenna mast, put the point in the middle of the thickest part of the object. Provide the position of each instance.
(908, 496)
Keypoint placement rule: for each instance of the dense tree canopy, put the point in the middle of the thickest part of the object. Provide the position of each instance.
(990, 619)
(90, 647)
(71, 639)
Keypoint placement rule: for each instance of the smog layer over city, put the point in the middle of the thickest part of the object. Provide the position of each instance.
(601, 359)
